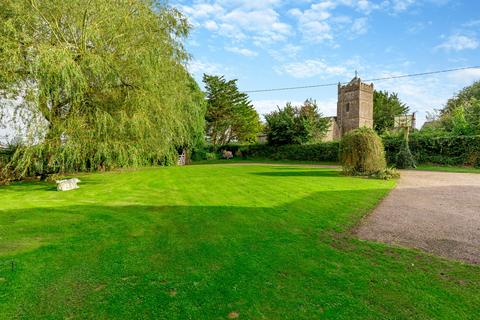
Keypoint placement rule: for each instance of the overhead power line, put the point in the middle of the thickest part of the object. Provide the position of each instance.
(366, 80)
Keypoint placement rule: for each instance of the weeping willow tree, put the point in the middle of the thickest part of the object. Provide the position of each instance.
(362, 152)
(101, 84)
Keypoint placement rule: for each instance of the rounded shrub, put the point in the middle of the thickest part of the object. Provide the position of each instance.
(362, 152)
(387, 174)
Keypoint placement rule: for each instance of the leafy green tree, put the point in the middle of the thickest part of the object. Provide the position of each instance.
(296, 125)
(461, 114)
(281, 126)
(103, 83)
(230, 114)
(465, 95)
(472, 110)
(386, 106)
(313, 123)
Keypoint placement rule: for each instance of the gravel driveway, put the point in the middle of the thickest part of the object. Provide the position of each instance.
(435, 211)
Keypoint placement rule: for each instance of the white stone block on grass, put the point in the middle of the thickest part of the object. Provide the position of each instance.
(67, 184)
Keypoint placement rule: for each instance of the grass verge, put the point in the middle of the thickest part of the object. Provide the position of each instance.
(448, 169)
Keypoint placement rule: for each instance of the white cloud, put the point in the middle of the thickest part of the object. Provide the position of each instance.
(289, 51)
(257, 21)
(211, 25)
(472, 23)
(260, 21)
(317, 31)
(367, 6)
(249, 4)
(242, 51)
(231, 31)
(313, 22)
(319, 24)
(311, 68)
(202, 10)
(458, 42)
(360, 26)
(465, 76)
(402, 5)
(200, 67)
(295, 12)
(264, 25)
(418, 26)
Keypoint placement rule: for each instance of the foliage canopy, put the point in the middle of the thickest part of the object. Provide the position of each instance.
(102, 83)
(230, 114)
(466, 94)
(461, 114)
(296, 125)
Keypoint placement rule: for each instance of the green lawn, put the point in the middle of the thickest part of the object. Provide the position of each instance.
(448, 169)
(201, 242)
(265, 161)
(422, 167)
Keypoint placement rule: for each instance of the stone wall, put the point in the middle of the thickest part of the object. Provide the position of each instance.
(333, 132)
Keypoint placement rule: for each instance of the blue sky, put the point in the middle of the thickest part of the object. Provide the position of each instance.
(274, 43)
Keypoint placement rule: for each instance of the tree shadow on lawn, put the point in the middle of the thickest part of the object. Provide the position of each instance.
(305, 173)
(25, 186)
(29, 186)
(290, 261)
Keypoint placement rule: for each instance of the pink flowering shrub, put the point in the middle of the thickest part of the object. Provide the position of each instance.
(227, 154)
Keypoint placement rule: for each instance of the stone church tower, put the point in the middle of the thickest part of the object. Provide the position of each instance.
(354, 106)
(354, 109)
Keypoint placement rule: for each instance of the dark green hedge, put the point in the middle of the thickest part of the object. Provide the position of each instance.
(460, 150)
(327, 151)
